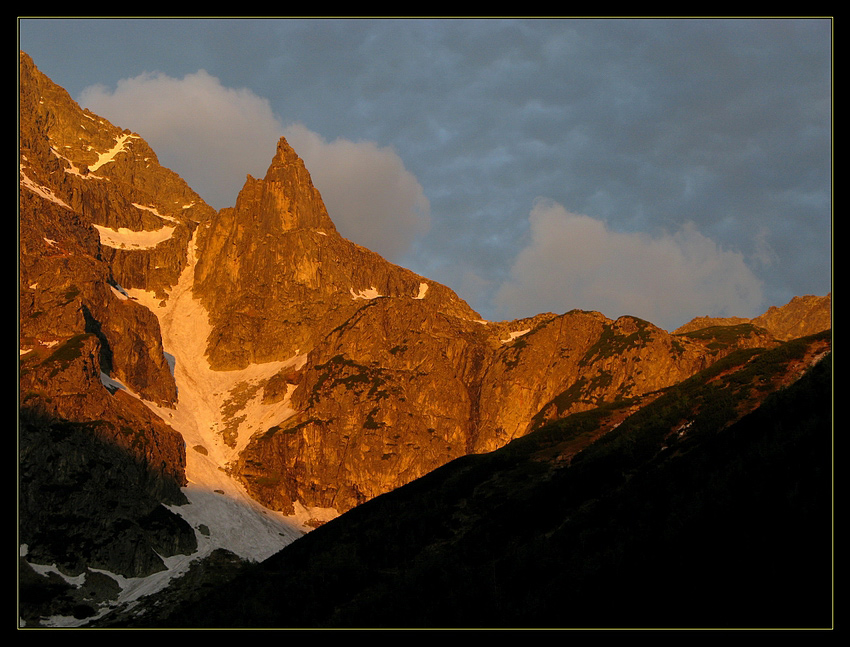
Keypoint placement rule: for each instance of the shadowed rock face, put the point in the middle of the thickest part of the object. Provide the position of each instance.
(100, 503)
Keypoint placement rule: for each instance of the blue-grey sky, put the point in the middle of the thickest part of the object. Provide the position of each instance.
(661, 168)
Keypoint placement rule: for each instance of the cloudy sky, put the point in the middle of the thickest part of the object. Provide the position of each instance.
(665, 169)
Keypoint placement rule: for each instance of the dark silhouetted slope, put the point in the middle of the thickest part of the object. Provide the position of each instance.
(708, 507)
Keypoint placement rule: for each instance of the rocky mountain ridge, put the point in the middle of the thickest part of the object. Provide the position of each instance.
(801, 316)
(253, 361)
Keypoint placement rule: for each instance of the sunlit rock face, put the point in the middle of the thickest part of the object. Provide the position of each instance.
(399, 389)
(98, 216)
(276, 277)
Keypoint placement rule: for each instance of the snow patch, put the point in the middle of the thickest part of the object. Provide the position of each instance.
(109, 156)
(113, 385)
(516, 334)
(43, 191)
(171, 361)
(119, 292)
(233, 519)
(371, 293)
(680, 431)
(45, 343)
(123, 238)
(423, 289)
(219, 508)
(72, 169)
(154, 211)
(47, 569)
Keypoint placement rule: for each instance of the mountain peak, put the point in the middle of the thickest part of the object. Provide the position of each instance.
(285, 154)
(285, 199)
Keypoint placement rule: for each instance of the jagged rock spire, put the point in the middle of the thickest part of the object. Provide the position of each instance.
(285, 198)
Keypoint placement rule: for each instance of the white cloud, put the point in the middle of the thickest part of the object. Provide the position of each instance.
(211, 135)
(371, 197)
(574, 261)
(214, 136)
